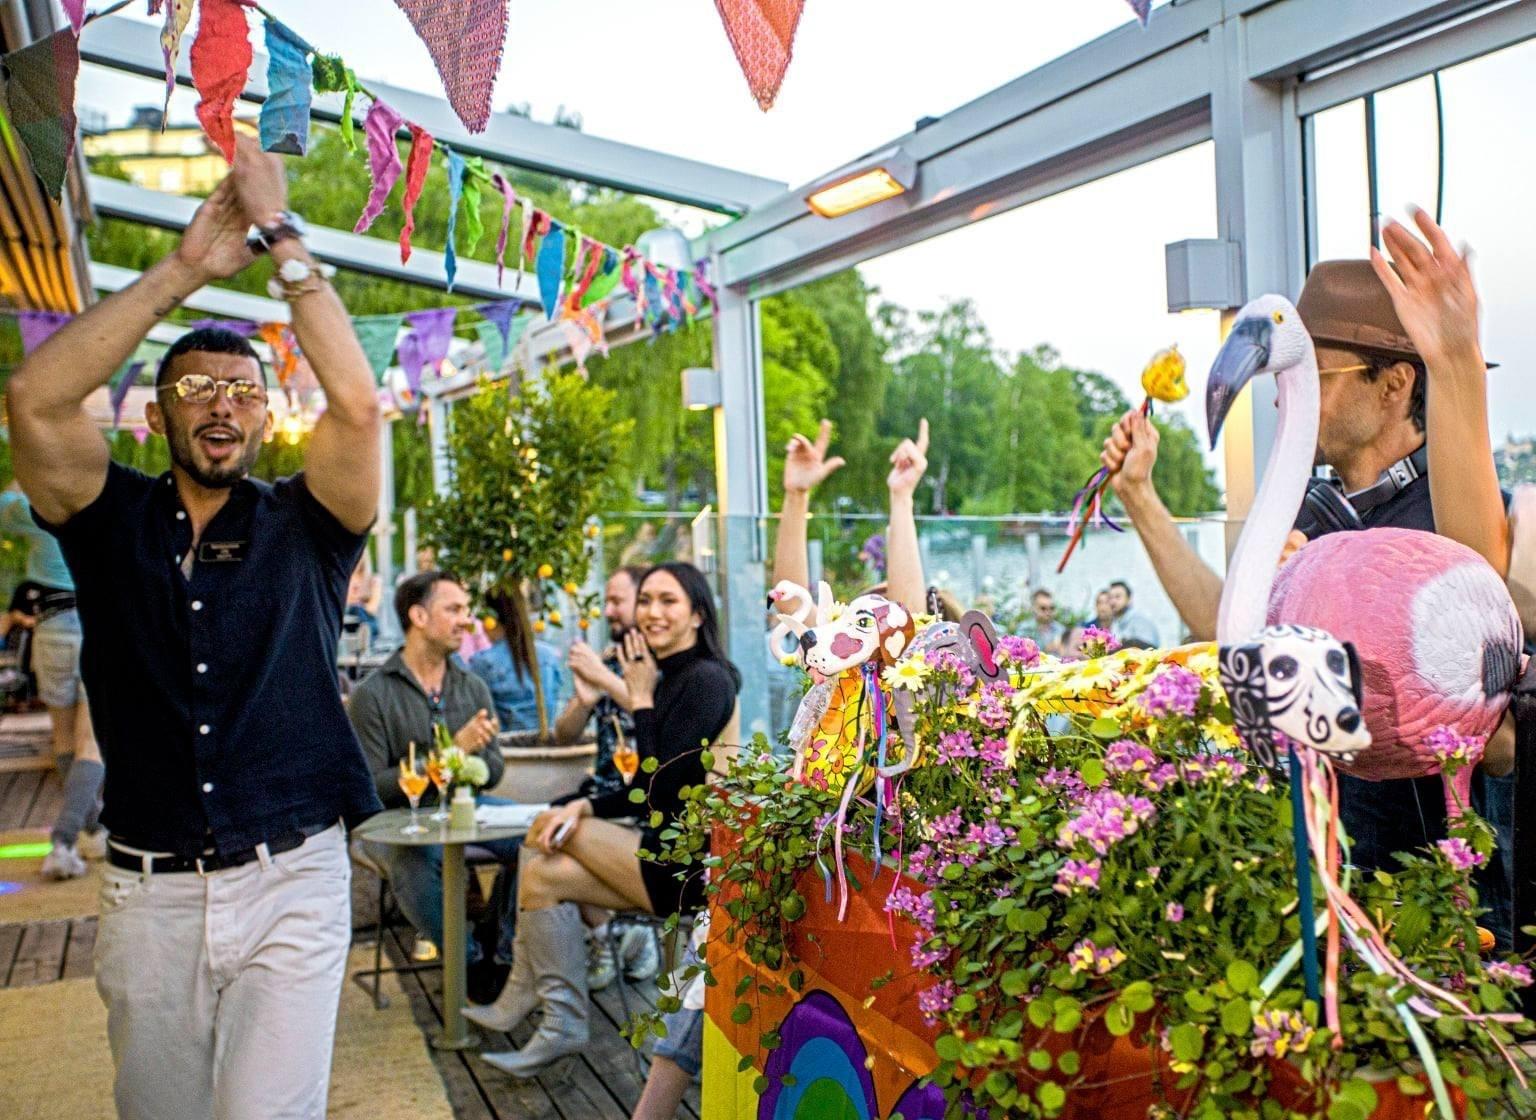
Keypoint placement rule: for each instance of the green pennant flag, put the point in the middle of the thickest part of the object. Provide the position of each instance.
(474, 226)
(40, 100)
(377, 334)
(490, 338)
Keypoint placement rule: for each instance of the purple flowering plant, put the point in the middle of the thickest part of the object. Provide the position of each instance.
(1118, 866)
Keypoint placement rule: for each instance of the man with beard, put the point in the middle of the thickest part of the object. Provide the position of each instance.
(210, 605)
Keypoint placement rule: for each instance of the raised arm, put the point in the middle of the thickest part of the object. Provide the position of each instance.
(903, 558)
(1436, 300)
(806, 466)
(60, 457)
(1129, 453)
(341, 467)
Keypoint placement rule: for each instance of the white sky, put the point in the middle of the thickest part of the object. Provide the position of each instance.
(1082, 271)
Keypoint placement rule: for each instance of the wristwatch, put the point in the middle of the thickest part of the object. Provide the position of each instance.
(282, 226)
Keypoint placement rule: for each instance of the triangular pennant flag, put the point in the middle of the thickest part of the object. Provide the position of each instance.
(605, 281)
(508, 200)
(242, 327)
(383, 160)
(176, 16)
(762, 33)
(37, 327)
(549, 267)
(40, 98)
(377, 335)
(415, 175)
(285, 349)
(285, 113)
(465, 39)
(221, 56)
(455, 192)
(75, 10)
(474, 225)
(427, 344)
(500, 314)
(584, 333)
(1142, 8)
(495, 346)
(125, 379)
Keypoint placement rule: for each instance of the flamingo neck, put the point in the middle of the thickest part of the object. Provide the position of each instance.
(1251, 573)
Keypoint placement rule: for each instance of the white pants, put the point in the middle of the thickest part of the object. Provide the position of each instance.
(221, 991)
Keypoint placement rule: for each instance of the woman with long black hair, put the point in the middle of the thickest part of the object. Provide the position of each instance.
(683, 692)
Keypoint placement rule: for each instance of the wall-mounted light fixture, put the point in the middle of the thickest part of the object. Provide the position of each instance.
(875, 178)
(701, 389)
(1204, 275)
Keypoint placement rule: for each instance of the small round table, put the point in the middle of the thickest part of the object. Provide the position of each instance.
(385, 829)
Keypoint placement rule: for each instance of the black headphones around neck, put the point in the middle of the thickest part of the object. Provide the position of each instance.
(1326, 508)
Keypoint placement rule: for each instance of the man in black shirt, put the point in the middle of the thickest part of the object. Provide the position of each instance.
(210, 605)
(1380, 349)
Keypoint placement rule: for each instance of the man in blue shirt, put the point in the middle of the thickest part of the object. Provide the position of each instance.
(56, 664)
(211, 606)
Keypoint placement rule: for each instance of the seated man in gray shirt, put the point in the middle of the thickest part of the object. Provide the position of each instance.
(1130, 626)
(423, 686)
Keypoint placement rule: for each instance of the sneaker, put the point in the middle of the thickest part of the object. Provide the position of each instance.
(599, 962)
(638, 948)
(62, 863)
(92, 843)
(423, 951)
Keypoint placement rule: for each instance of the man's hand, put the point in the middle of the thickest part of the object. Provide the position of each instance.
(1293, 544)
(806, 465)
(1432, 291)
(1130, 452)
(908, 463)
(586, 664)
(478, 733)
(213, 247)
(587, 694)
(261, 181)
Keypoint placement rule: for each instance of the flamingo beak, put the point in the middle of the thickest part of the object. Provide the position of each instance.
(1245, 353)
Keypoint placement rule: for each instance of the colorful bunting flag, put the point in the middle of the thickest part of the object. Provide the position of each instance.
(427, 344)
(242, 327)
(465, 39)
(383, 160)
(40, 99)
(37, 327)
(549, 267)
(455, 193)
(332, 75)
(500, 315)
(606, 280)
(474, 225)
(285, 112)
(285, 349)
(508, 200)
(377, 334)
(762, 33)
(221, 57)
(495, 346)
(176, 16)
(1142, 8)
(125, 380)
(75, 10)
(415, 175)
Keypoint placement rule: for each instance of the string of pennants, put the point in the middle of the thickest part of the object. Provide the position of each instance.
(500, 326)
(576, 274)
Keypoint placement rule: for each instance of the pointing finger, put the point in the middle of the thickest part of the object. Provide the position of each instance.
(922, 436)
(824, 437)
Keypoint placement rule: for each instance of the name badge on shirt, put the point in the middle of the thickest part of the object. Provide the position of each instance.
(221, 552)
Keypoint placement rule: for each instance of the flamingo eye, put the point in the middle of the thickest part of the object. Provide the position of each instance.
(1278, 316)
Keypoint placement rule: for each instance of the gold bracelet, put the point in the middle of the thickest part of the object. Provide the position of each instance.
(295, 278)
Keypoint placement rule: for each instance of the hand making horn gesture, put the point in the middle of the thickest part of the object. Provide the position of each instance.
(806, 465)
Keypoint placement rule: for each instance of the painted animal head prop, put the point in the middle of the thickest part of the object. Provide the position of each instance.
(870, 629)
(973, 640)
(1299, 682)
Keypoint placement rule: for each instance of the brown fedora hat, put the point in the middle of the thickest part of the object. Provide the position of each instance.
(1344, 303)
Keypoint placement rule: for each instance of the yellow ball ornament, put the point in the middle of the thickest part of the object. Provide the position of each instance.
(1163, 377)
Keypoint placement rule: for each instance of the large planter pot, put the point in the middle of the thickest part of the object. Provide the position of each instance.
(537, 773)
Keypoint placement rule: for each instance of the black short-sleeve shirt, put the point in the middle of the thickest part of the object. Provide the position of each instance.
(214, 695)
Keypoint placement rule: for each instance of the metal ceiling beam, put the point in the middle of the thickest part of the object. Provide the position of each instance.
(134, 47)
(371, 255)
(213, 301)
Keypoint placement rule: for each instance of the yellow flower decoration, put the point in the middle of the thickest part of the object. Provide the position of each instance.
(908, 674)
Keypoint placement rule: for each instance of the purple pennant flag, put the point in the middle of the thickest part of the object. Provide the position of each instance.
(38, 326)
(427, 344)
(383, 160)
(242, 327)
(501, 313)
(75, 10)
(1142, 8)
(508, 200)
(125, 382)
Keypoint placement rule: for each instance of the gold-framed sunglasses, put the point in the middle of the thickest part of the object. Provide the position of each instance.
(1357, 368)
(199, 388)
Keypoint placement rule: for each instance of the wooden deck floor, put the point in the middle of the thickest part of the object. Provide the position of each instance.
(601, 1084)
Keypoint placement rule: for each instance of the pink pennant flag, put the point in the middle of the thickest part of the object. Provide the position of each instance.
(1142, 8)
(465, 39)
(75, 10)
(762, 33)
(383, 160)
(177, 14)
(508, 200)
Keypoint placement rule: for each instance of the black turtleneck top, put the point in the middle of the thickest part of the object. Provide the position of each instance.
(694, 701)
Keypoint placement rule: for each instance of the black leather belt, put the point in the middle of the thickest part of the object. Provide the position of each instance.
(130, 858)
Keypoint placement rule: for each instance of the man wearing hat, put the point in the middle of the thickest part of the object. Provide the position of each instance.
(1400, 456)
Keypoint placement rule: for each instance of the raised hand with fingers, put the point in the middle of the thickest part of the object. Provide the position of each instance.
(1432, 292)
(213, 246)
(1130, 451)
(909, 462)
(640, 670)
(806, 465)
